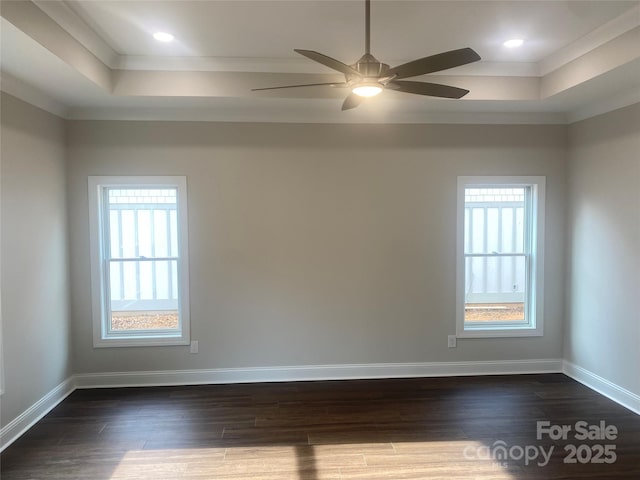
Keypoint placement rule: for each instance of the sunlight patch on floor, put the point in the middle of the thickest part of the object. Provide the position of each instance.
(406, 460)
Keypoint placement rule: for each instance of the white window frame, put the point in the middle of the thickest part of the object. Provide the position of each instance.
(534, 290)
(102, 337)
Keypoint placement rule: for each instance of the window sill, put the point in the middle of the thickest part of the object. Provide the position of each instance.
(140, 342)
(500, 333)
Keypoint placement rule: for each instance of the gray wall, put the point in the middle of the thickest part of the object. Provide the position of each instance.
(316, 244)
(603, 290)
(35, 287)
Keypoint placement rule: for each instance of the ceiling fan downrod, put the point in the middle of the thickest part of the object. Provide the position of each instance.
(368, 66)
(367, 27)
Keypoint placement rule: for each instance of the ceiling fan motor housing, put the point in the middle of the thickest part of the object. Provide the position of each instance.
(370, 67)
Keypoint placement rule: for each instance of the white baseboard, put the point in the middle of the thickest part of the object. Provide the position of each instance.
(13, 430)
(603, 386)
(23, 422)
(315, 372)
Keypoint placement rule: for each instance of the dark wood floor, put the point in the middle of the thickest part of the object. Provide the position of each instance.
(366, 429)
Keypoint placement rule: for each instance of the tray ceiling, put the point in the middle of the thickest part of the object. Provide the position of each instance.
(98, 59)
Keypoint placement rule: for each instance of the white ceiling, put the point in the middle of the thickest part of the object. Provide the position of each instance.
(401, 29)
(97, 59)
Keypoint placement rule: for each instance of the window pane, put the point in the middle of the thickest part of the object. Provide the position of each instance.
(495, 288)
(144, 231)
(163, 280)
(493, 229)
(160, 232)
(114, 230)
(143, 225)
(494, 220)
(519, 230)
(148, 302)
(129, 281)
(477, 230)
(115, 274)
(173, 229)
(152, 320)
(494, 312)
(146, 280)
(143, 222)
(508, 227)
(128, 240)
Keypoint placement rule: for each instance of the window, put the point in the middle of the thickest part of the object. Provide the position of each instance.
(500, 256)
(139, 261)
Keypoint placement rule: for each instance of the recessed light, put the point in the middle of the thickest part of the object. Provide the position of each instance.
(513, 43)
(163, 37)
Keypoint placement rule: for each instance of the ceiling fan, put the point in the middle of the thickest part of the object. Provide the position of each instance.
(369, 77)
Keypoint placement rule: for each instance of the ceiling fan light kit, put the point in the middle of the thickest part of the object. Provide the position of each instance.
(368, 77)
(367, 89)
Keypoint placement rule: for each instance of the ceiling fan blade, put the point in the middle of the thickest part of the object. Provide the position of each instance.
(435, 63)
(430, 89)
(328, 61)
(352, 101)
(333, 84)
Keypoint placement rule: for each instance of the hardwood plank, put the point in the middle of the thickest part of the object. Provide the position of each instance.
(338, 430)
